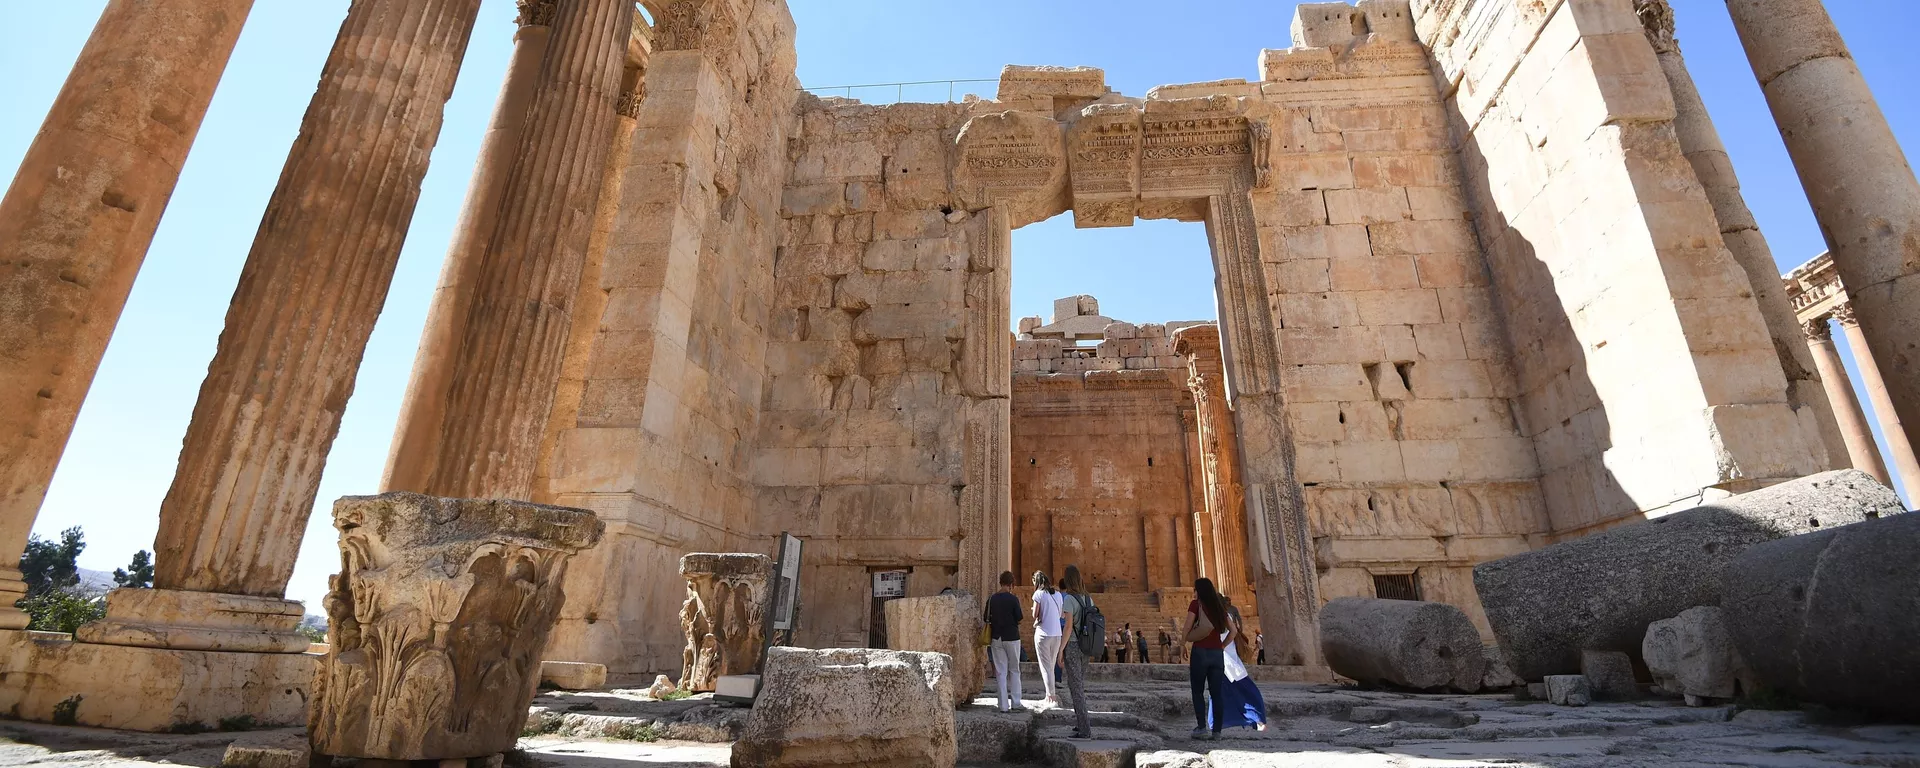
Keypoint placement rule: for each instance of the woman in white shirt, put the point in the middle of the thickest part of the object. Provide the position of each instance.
(1047, 637)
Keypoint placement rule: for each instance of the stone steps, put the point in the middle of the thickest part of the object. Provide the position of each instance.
(1133, 673)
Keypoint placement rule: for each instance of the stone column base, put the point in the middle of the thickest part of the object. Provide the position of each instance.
(12, 590)
(49, 678)
(198, 621)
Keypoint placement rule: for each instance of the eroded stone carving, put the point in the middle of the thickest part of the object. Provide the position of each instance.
(724, 616)
(1015, 160)
(437, 619)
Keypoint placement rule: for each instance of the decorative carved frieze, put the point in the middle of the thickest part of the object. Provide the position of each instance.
(1104, 148)
(438, 617)
(1015, 161)
(724, 616)
(691, 25)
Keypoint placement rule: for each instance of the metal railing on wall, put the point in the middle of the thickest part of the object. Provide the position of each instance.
(921, 90)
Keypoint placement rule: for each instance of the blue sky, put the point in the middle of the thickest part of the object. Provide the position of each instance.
(122, 455)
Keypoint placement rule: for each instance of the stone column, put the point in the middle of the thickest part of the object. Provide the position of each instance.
(416, 438)
(1861, 186)
(1220, 460)
(312, 287)
(1700, 143)
(76, 224)
(1861, 449)
(1867, 360)
(517, 324)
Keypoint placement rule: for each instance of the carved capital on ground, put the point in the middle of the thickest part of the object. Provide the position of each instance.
(723, 617)
(536, 13)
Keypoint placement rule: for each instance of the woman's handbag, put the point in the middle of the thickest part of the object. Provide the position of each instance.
(1201, 628)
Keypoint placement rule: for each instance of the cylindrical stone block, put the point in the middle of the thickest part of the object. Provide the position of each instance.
(1599, 593)
(1832, 617)
(76, 224)
(517, 326)
(1402, 643)
(312, 287)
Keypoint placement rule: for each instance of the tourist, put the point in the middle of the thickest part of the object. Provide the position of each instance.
(1126, 641)
(1003, 624)
(1140, 644)
(1207, 671)
(1046, 631)
(1260, 648)
(1166, 648)
(1240, 704)
(1074, 602)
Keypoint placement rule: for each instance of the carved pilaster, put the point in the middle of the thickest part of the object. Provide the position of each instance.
(438, 617)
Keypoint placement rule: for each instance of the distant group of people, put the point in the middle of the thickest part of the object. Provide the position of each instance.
(1224, 695)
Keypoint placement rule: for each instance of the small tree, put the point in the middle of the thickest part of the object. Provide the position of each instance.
(62, 610)
(48, 565)
(138, 574)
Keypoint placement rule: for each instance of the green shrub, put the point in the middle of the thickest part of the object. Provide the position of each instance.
(62, 610)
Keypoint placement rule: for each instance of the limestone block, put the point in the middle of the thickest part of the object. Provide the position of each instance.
(573, 675)
(1405, 643)
(1388, 19)
(1115, 331)
(1170, 758)
(1568, 690)
(948, 624)
(1692, 654)
(436, 623)
(274, 749)
(1499, 676)
(1601, 592)
(1320, 25)
(1610, 675)
(148, 689)
(1089, 753)
(850, 707)
(723, 617)
(916, 173)
(1829, 616)
(202, 621)
(1013, 160)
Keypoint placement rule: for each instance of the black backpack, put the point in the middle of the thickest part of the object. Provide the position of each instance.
(1091, 633)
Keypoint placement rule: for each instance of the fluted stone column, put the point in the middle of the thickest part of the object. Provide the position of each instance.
(1219, 459)
(230, 527)
(416, 438)
(1899, 446)
(517, 326)
(1861, 186)
(76, 223)
(1700, 143)
(1861, 449)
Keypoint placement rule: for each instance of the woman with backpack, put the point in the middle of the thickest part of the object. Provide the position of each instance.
(1207, 668)
(1074, 603)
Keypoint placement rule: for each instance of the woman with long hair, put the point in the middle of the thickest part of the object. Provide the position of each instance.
(1241, 705)
(1047, 636)
(1074, 605)
(1207, 667)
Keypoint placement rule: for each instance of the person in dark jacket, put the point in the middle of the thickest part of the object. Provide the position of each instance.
(1003, 626)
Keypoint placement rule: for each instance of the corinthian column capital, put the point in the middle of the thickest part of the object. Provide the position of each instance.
(536, 13)
(1817, 329)
(1657, 17)
(1843, 312)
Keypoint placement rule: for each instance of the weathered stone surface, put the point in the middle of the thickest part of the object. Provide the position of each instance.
(948, 624)
(278, 749)
(1692, 654)
(573, 675)
(1602, 591)
(1569, 690)
(206, 621)
(1088, 753)
(724, 616)
(1831, 616)
(987, 735)
(1170, 758)
(1499, 677)
(1404, 643)
(148, 689)
(850, 707)
(662, 687)
(437, 620)
(1609, 675)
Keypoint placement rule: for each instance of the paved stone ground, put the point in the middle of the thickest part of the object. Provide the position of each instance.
(1311, 726)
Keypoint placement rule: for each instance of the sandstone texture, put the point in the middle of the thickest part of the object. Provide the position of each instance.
(149, 689)
(573, 675)
(851, 707)
(948, 624)
(437, 621)
(1693, 655)
(724, 616)
(1830, 616)
(1602, 591)
(1402, 643)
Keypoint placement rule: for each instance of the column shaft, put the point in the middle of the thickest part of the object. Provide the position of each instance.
(1861, 449)
(1700, 143)
(1898, 445)
(312, 287)
(517, 326)
(416, 438)
(76, 223)
(1861, 186)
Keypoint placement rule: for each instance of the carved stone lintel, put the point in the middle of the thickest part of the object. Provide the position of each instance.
(536, 13)
(1843, 312)
(1657, 17)
(1818, 329)
(724, 617)
(437, 619)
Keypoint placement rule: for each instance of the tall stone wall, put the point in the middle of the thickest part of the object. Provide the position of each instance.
(658, 439)
(1644, 371)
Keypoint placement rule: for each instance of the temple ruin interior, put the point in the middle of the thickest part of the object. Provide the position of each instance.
(1502, 366)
